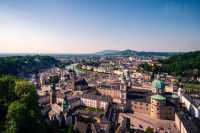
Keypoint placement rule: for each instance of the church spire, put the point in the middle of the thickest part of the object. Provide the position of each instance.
(53, 94)
(65, 104)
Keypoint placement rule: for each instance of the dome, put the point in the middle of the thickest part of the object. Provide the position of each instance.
(175, 96)
(158, 84)
(158, 97)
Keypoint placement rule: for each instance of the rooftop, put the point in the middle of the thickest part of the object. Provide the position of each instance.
(97, 97)
(158, 97)
(111, 87)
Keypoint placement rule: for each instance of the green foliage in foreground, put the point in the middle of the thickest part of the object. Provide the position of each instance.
(19, 108)
(149, 130)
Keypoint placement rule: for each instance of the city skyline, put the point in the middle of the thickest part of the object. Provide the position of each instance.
(91, 26)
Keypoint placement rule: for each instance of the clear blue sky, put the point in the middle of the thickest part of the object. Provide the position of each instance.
(84, 26)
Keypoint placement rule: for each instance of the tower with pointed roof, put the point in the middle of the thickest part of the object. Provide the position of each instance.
(53, 94)
(65, 105)
(73, 78)
(123, 89)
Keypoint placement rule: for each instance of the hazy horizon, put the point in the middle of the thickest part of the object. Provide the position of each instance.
(94, 52)
(77, 26)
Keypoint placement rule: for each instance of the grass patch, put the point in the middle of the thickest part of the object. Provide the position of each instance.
(191, 87)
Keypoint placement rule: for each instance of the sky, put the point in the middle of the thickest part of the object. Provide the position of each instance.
(87, 26)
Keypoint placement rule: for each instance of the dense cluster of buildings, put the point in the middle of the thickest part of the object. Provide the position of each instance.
(116, 96)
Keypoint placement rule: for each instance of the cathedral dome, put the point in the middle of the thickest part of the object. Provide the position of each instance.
(158, 97)
(175, 96)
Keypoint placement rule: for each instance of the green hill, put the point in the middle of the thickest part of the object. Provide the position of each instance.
(129, 52)
(25, 64)
(187, 64)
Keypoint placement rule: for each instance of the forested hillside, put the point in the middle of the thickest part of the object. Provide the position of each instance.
(25, 64)
(187, 64)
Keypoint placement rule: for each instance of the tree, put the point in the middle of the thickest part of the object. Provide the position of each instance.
(17, 118)
(7, 84)
(7, 95)
(146, 67)
(54, 79)
(70, 129)
(25, 64)
(149, 130)
(19, 111)
(22, 88)
(187, 64)
(20, 119)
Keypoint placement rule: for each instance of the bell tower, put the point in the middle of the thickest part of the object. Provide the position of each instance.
(65, 105)
(123, 89)
(53, 94)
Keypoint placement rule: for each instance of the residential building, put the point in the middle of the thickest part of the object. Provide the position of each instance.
(95, 101)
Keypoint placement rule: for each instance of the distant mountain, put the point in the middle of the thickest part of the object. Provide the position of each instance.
(105, 52)
(129, 52)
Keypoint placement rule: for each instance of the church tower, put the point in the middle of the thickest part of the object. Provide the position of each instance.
(65, 105)
(73, 78)
(53, 94)
(123, 89)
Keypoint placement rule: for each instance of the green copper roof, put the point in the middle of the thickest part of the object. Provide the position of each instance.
(65, 104)
(158, 84)
(158, 97)
(175, 96)
(53, 87)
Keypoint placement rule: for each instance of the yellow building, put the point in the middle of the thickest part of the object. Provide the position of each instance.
(156, 108)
